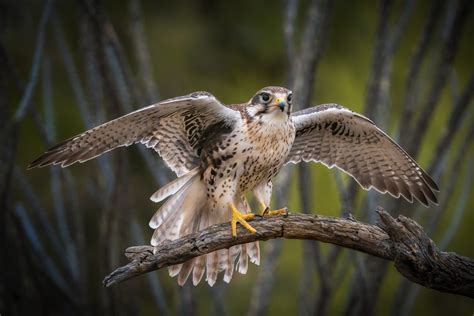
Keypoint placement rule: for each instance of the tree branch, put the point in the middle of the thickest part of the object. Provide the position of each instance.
(401, 240)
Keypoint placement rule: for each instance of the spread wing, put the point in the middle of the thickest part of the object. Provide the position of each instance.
(339, 137)
(176, 128)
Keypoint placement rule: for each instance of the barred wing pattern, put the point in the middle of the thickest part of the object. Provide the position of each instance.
(175, 128)
(339, 137)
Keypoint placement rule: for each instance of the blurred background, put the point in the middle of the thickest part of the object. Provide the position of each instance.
(66, 66)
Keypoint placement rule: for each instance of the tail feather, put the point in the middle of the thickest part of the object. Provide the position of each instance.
(187, 227)
(226, 264)
(172, 205)
(174, 270)
(199, 268)
(235, 252)
(185, 271)
(228, 274)
(211, 268)
(173, 187)
(222, 256)
(243, 264)
(185, 212)
(168, 231)
(200, 262)
(253, 250)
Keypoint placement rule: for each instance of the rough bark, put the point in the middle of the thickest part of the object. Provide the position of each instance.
(401, 240)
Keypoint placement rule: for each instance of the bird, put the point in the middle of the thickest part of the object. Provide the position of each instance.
(222, 152)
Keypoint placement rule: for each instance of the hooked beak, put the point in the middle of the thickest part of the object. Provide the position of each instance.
(280, 103)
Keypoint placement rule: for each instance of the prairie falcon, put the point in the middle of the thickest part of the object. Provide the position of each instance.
(220, 152)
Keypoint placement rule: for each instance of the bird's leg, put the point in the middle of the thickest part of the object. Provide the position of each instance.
(237, 216)
(266, 211)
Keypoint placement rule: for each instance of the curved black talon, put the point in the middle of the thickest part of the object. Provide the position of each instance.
(265, 211)
(286, 212)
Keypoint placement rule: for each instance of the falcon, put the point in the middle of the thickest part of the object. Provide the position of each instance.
(220, 152)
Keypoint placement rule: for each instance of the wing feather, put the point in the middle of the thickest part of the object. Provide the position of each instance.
(351, 142)
(174, 128)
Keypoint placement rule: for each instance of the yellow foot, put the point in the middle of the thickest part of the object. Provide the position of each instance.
(266, 211)
(241, 218)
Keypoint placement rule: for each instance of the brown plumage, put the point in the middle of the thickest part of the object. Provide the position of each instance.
(339, 137)
(221, 152)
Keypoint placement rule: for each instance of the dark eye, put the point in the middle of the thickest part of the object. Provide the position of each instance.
(265, 97)
(289, 97)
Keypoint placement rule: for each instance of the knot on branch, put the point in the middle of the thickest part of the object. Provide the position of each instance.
(139, 253)
(415, 253)
(418, 258)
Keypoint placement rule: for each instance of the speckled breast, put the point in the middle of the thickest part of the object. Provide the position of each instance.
(244, 158)
(268, 148)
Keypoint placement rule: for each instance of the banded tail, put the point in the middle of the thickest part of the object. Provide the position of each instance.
(186, 211)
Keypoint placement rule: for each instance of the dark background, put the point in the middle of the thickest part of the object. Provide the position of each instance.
(66, 66)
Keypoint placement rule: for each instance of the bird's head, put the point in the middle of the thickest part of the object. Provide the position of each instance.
(270, 101)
